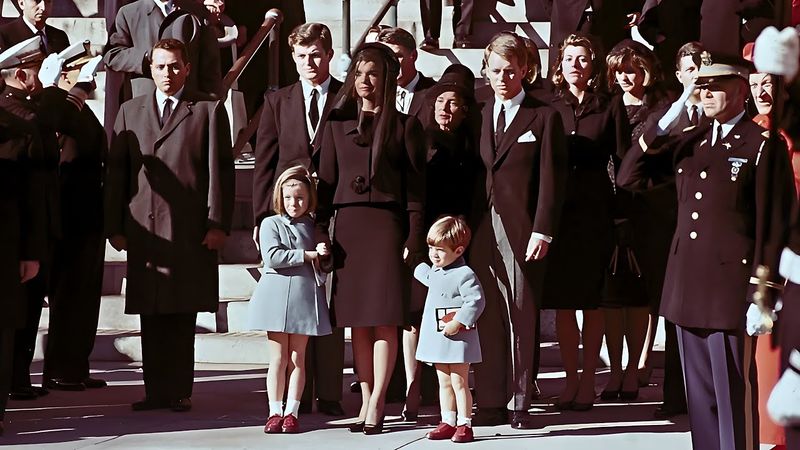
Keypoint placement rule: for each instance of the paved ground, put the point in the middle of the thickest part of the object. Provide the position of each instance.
(229, 413)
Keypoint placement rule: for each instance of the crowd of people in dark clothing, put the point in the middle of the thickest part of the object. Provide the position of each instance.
(638, 179)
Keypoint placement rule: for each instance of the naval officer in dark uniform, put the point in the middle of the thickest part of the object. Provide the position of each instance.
(734, 196)
(22, 213)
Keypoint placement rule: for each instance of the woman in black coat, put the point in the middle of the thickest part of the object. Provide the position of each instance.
(597, 131)
(634, 75)
(371, 175)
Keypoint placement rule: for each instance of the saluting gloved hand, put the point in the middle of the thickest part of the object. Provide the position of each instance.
(89, 70)
(759, 322)
(50, 71)
(783, 404)
(777, 52)
(670, 118)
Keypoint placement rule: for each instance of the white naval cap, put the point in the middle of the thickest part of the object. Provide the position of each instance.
(27, 52)
(76, 55)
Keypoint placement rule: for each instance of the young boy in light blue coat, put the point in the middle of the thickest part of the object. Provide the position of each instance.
(448, 337)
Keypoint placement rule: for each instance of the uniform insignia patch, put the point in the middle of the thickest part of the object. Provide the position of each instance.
(765, 133)
(736, 166)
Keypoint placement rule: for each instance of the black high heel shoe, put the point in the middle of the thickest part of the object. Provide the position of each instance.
(610, 395)
(629, 395)
(357, 427)
(374, 429)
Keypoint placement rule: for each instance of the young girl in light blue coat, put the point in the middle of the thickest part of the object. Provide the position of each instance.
(289, 302)
(448, 337)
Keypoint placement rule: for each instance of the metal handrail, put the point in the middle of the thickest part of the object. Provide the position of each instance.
(387, 5)
(270, 26)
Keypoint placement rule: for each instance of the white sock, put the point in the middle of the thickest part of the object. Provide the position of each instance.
(292, 407)
(449, 417)
(276, 408)
(783, 404)
(464, 421)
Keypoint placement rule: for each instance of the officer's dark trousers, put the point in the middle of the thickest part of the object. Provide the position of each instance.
(431, 12)
(722, 396)
(324, 367)
(673, 389)
(76, 286)
(168, 355)
(6, 366)
(25, 338)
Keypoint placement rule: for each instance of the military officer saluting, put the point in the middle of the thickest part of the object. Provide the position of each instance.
(734, 197)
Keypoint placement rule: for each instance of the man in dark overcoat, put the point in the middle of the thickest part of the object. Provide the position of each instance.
(734, 196)
(523, 151)
(23, 231)
(32, 23)
(21, 98)
(283, 143)
(137, 28)
(169, 202)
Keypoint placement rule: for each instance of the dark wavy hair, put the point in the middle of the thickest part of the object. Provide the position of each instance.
(580, 40)
(636, 55)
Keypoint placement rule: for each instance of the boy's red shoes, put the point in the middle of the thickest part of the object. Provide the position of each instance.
(443, 431)
(291, 424)
(273, 424)
(463, 434)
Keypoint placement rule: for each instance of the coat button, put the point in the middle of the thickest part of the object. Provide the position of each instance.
(693, 235)
(744, 261)
(680, 170)
(703, 175)
(151, 216)
(698, 195)
(695, 215)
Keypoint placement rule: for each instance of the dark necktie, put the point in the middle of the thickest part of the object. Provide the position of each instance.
(694, 117)
(401, 101)
(500, 129)
(718, 141)
(167, 112)
(313, 110)
(43, 36)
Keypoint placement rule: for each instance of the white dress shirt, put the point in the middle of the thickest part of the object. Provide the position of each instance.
(162, 5)
(511, 105)
(406, 94)
(161, 99)
(322, 90)
(726, 127)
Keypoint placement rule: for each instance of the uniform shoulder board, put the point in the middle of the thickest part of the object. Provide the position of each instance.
(765, 133)
(689, 128)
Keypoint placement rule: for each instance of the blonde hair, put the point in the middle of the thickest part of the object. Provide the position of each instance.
(292, 177)
(449, 231)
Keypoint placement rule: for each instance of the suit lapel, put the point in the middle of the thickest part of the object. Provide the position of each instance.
(149, 116)
(486, 148)
(524, 117)
(183, 110)
(333, 90)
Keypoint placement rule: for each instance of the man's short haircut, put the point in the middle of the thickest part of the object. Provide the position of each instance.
(290, 177)
(398, 36)
(510, 47)
(309, 33)
(449, 231)
(172, 45)
(693, 49)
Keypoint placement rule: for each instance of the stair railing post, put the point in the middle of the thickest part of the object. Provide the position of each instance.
(273, 53)
(346, 26)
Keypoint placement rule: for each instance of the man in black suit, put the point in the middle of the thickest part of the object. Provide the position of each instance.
(169, 202)
(411, 83)
(32, 23)
(23, 215)
(281, 144)
(734, 197)
(523, 150)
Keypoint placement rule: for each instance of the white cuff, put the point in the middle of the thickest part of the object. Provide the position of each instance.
(543, 237)
(790, 266)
